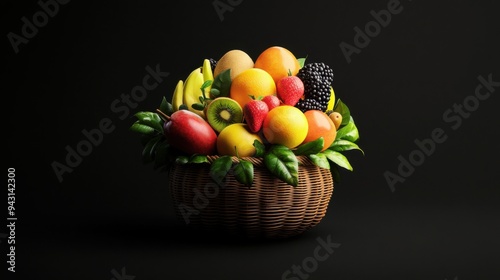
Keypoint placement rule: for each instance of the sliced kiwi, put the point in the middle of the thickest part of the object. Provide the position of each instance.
(223, 111)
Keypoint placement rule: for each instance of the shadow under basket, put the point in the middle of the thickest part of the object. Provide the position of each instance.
(270, 208)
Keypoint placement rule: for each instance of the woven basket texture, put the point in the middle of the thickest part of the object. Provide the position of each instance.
(270, 208)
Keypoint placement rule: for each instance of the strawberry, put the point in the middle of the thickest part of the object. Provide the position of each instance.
(272, 101)
(255, 112)
(290, 89)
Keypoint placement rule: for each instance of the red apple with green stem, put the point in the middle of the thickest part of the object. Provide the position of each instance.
(190, 133)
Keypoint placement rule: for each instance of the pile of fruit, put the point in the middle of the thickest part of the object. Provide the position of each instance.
(276, 107)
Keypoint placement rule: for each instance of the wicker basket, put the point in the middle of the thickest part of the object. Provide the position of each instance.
(269, 208)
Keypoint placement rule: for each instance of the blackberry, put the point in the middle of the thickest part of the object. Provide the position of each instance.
(309, 104)
(213, 63)
(317, 78)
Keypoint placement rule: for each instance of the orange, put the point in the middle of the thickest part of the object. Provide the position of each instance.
(238, 137)
(253, 81)
(285, 125)
(320, 125)
(277, 61)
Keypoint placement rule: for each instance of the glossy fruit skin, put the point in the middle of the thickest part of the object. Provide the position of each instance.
(272, 101)
(237, 135)
(255, 112)
(251, 82)
(320, 125)
(278, 62)
(336, 117)
(190, 133)
(290, 89)
(285, 125)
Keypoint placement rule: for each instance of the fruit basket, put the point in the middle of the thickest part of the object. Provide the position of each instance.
(270, 208)
(251, 148)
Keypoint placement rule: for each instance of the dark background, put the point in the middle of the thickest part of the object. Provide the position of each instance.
(114, 212)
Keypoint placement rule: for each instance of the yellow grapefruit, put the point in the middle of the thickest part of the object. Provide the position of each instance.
(285, 125)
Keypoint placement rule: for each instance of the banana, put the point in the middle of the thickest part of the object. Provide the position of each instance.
(192, 90)
(177, 98)
(331, 103)
(207, 71)
(207, 75)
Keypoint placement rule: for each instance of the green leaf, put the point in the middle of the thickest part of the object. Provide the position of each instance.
(183, 107)
(206, 84)
(341, 108)
(150, 119)
(166, 107)
(344, 145)
(349, 132)
(198, 159)
(198, 106)
(243, 172)
(182, 160)
(161, 153)
(283, 164)
(214, 92)
(142, 128)
(222, 82)
(302, 61)
(219, 168)
(334, 169)
(260, 149)
(145, 138)
(312, 147)
(146, 116)
(320, 160)
(338, 158)
(148, 153)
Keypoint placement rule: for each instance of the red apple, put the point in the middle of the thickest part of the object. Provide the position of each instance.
(190, 133)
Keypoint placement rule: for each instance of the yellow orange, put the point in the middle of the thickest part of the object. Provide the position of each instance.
(277, 61)
(285, 125)
(320, 125)
(253, 81)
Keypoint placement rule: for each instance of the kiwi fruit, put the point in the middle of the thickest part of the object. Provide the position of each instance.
(223, 111)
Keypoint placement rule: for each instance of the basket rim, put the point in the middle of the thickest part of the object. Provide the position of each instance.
(302, 160)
